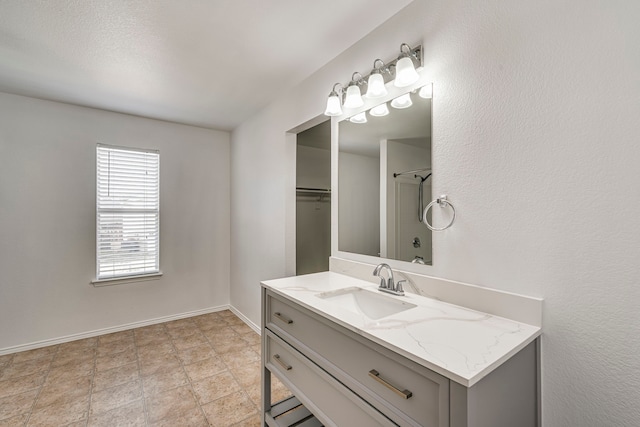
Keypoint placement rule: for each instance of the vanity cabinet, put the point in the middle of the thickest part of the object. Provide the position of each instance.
(340, 378)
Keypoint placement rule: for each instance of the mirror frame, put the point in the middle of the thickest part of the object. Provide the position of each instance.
(368, 104)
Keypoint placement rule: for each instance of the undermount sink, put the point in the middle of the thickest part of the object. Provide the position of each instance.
(361, 301)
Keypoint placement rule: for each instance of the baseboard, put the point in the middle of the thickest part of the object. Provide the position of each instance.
(245, 319)
(89, 334)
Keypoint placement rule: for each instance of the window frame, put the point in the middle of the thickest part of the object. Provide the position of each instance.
(134, 276)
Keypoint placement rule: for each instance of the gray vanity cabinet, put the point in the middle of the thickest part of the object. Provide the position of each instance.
(340, 378)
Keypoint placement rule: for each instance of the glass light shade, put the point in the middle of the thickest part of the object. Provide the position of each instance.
(426, 92)
(379, 110)
(403, 101)
(353, 99)
(359, 118)
(375, 86)
(406, 74)
(333, 105)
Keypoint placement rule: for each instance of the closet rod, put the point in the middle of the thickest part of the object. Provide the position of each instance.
(410, 172)
(313, 190)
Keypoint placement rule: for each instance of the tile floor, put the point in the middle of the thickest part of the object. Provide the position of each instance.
(198, 371)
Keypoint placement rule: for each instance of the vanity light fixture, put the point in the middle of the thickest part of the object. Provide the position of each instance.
(401, 70)
(354, 97)
(334, 104)
(379, 110)
(375, 84)
(359, 118)
(403, 101)
(426, 92)
(406, 73)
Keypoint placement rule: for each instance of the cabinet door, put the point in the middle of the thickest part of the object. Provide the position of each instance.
(331, 402)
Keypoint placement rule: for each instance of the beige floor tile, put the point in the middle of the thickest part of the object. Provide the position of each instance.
(240, 358)
(248, 373)
(151, 364)
(130, 415)
(215, 387)
(122, 336)
(205, 368)
(5, 359)
(116, 376)
(152, 338)
(191, 418)
(151, 329)
(105, 363)
(12, 406)
(254, 391)
(234, 321)
(20, 385)
(228, 345)
(115, 397)
(17, 421)
(73, 369)
(114, 347)
(153, 350)
(254, 421)
(27, 367)
(278, 390)
(221, 334)
(60, 413)
(74, 356)
(164, 380)
(158, 375)
(82, 344)
(190, 341)
(38, 353)
(74, 388)
(171, 404)
(195, 354)
(226, 314)
(229, 410)
(252, 338)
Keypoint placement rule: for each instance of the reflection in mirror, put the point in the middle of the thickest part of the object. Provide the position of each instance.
(384, 180)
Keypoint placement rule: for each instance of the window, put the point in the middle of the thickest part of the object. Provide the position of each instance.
(128, 212)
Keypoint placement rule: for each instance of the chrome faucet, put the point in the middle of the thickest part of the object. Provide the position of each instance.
(387, 285)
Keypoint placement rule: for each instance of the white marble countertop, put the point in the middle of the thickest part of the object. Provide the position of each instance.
(463, 345)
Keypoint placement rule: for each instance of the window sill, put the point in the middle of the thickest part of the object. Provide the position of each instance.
(126, 279)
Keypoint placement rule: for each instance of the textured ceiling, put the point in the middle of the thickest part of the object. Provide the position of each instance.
(208, 63)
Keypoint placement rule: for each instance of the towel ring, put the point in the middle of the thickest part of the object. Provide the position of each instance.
(442, 201)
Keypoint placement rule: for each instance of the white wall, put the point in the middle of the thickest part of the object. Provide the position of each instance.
(47, 220)
(535, 139)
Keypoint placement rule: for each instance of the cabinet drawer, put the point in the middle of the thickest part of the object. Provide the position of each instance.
(324, 396)
(406, 392)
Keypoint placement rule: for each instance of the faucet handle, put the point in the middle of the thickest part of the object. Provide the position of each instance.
(383, 283)
(399, 285)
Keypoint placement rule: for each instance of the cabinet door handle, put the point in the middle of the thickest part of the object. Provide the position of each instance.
(405, 394)
(285, 319)
(286, 367)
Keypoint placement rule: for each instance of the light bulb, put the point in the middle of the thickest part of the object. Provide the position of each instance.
(353, 99)
(379, 110)
(426, 92)
(375, 86)
(333, 105)
(406, 74)
(359, 118)
(403, 101)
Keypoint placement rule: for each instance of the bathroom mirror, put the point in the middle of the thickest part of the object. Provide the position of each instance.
(384, 180)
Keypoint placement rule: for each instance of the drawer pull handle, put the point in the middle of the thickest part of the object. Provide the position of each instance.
(286, 367)
(405, 394)
(285, 319)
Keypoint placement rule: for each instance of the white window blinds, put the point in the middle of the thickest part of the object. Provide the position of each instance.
(128, 212)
